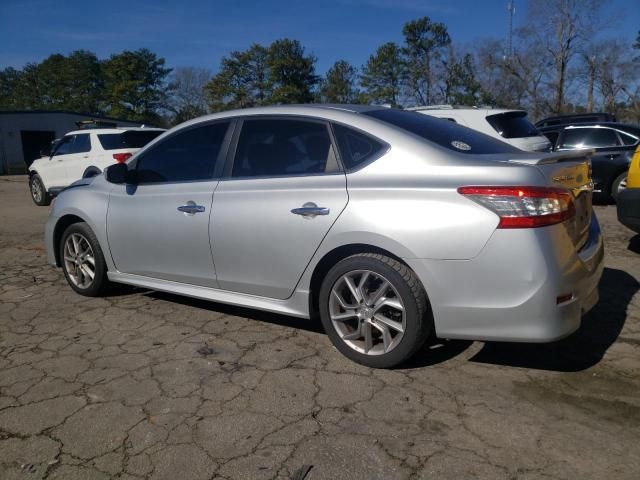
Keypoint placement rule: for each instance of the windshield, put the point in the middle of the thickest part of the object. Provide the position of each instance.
(127, 139)
(443, 132)
(513, 125)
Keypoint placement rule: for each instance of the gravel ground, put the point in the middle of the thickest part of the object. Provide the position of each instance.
(148, 385)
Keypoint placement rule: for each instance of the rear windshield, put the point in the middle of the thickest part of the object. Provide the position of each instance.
(128, 139)
(513, 125)
(446, 134)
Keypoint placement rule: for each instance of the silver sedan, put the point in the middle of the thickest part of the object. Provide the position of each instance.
(389, 225)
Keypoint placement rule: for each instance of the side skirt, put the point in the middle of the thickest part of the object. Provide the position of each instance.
(296, 306)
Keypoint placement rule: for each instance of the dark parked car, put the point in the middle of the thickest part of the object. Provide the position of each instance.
(613, 143)
(594, 117)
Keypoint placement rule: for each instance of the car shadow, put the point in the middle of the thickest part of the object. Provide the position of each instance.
(309, 325)
(583, 349)
(634, 244)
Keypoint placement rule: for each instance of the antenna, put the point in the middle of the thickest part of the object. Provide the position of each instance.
(511, 8)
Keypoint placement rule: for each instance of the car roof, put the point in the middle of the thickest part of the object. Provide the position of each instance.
(615, 125)
(474, 110)
(115, 130)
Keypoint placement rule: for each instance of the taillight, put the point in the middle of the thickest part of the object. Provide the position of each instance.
(121, 157)
(524, 207)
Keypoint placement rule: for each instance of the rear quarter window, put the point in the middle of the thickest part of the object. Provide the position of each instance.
(128, 139)
(356, 148)
(445, 134)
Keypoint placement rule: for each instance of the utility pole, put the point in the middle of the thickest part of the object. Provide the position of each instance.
(511, 8)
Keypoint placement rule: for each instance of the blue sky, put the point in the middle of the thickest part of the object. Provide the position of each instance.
(200, 32)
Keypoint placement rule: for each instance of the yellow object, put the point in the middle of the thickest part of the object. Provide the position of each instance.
(633, 177)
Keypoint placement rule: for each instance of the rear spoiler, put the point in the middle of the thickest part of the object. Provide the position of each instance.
(556, 157)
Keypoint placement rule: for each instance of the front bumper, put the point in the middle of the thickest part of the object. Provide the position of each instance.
(628, 205)
(510, 291)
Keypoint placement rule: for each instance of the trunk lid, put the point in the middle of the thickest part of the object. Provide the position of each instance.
(570, 170)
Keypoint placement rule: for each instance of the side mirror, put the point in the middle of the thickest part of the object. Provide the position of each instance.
(117, 173)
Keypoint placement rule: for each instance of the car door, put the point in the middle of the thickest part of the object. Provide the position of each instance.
(77, 161)
(610, 157)
(55, 175)
(282, 193)
(159, 226)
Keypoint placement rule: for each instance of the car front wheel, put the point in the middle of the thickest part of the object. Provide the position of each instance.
(375, 310)
(82, 261)
(39, 193)
(618, 185)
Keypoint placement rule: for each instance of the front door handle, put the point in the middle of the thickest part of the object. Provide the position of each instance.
(310, 210)
(190, 208)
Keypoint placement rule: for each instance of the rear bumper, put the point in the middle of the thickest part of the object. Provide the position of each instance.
(628, 205)
(510, 291)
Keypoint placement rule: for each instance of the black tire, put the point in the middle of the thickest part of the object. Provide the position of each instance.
(39, 193)
(100, 283)
(615, 185)
(418, 316)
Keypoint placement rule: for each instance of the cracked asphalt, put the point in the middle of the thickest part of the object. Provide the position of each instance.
(148, 385)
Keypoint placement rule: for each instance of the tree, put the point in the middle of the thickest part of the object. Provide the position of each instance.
(187, 93)
(339, 84)
(291, 75)
(562, 26)
(9, 81)
(135, 85)
(460, 84)
(383, 75)
(424, 43)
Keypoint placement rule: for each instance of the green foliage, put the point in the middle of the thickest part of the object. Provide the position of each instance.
(424, 43)
(461, 85)
(339, 84)
(135, 85)
(383, 75)
(241, 81)
(291, 75)
(279, 73)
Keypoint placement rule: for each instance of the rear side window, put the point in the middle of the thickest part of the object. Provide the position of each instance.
(185, 156)
(577, 138)
(128, 139)
(627, 139)
(356, 148)
(446, 134)
(512, 125)
(279, 147)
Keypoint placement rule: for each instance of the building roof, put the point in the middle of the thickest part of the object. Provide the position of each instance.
(66, 112)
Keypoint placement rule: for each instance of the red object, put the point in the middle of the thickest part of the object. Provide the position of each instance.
(121, 157)
(524, 207)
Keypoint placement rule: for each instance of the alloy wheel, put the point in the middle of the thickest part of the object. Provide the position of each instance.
(79, 260)
(367, 312)
(36, 190)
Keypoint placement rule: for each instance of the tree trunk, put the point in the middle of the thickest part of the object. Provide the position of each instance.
(592, 78)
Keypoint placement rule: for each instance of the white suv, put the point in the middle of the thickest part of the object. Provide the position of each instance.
(84, 153)
(510, 126)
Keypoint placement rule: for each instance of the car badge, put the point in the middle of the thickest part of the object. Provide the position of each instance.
(461, 145)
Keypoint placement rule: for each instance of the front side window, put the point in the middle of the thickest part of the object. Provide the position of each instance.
(188, 155)
(578, 138)
(446, 134)
(282, 147)
(64, 146)
(355, 147)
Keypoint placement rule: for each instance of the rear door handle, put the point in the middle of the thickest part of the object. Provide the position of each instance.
(190, 208)
(310, 210)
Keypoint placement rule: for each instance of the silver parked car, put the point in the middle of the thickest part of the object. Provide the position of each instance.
(391, 225)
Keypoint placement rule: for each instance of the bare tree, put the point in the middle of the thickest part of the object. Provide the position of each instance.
(562, 27)
(188, 98)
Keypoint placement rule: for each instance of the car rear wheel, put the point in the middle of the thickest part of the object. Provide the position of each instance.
(39, 193)
(618, 185)
(375, 310)
(82, 261)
